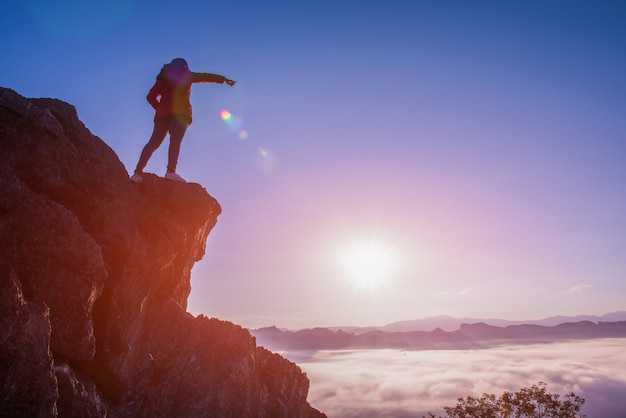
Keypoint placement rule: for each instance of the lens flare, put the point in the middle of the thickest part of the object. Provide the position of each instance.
(226, 115)
(234, 123)
(266, 160)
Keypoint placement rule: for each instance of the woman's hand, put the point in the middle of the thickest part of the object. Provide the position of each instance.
(229, 82)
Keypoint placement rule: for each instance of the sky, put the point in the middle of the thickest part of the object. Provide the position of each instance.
(384, 160)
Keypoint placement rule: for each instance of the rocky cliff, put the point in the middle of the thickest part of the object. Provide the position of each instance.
(94, 280)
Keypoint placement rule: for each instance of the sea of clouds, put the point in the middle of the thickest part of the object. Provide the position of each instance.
(408, 384)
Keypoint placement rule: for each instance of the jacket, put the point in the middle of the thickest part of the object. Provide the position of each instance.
(170, 93)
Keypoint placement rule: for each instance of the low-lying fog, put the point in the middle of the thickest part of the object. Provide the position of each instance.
(403, 384)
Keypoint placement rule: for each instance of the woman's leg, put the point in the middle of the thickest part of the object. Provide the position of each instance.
(178, 127)
(161, 127)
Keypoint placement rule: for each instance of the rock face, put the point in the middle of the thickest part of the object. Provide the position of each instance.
(94, 279)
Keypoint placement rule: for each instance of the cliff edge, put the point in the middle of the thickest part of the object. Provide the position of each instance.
(94, 279)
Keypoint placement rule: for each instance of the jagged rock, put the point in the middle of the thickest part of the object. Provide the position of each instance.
(45, 243)
(28, 386)
(273, 372)
(79, 397)
(112, 261)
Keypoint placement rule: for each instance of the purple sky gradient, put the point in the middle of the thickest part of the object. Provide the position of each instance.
(482, 143)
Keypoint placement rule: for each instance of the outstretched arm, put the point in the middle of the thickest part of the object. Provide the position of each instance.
(211, 78)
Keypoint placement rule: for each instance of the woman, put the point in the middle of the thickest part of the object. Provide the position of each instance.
(170, 98)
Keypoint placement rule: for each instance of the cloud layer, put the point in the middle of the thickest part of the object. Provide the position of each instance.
(408, 384)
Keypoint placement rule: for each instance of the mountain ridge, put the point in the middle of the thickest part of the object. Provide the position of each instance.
(467, 336)
(450, 323)
(548, 321)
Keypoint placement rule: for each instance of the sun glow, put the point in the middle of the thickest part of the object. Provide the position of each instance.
(368, 264)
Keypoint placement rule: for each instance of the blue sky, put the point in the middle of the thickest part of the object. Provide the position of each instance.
(478, 144)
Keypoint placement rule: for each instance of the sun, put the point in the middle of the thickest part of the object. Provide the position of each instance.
(368, 264)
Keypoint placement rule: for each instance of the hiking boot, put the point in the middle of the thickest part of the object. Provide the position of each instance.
(175, 177)
(136, 178)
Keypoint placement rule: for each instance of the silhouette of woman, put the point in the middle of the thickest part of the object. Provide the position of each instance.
(170, 99)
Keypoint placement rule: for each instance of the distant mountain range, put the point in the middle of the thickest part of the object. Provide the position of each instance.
(450, 323)
(446, 332)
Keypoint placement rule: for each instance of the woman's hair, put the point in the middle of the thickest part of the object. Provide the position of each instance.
(178, 63)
